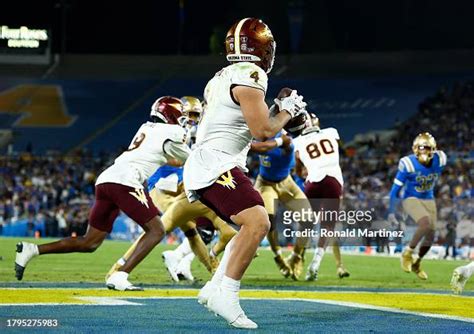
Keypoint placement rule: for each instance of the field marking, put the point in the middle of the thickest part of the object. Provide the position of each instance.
(124, 301)
(108, 301)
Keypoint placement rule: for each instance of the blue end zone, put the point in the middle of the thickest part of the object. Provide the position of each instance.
(186, 315)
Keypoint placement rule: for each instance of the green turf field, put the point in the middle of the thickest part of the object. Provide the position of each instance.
(366, 271)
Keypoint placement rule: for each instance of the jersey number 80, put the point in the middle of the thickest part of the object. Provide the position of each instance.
(314, 150)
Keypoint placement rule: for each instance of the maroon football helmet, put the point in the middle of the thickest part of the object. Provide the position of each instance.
(168, 109)
(251, 40)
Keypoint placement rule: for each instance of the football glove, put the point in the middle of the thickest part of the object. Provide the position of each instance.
(292, 104)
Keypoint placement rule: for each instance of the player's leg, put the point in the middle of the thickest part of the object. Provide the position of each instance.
(428, 240)
(414, 208)
(295, 200)
(269, 195)
(181, 214)
(226, 233)
(101, 220)
(162, 201)
(137, 204)
(460, 277)
(234, 199)
(206, 230)
(340, 270)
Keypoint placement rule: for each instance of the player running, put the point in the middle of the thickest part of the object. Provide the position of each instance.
(274, 182)
(417, 174)
(214, 172)
(120, 187)
(317, 150)
(195, 219)
(460, 277)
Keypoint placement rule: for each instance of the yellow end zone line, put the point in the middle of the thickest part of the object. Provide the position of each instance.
(420, 304)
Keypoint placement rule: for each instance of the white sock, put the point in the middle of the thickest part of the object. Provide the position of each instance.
(318, 257)
(278, 252)
(183, 249)
(230, 284)
(122, 274)
(36, 250)
(468, 269)
(220, 272)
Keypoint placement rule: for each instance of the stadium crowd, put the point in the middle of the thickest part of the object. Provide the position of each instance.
(59, 189)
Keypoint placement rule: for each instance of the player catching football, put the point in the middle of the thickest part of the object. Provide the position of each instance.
(214, 172)
(120, 188)
(318, 151)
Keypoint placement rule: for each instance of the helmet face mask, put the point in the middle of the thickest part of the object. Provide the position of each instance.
(424, 147)
(251, 40)
(192, 109)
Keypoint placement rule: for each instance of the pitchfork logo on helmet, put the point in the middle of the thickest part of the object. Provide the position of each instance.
(168, 109)
(424, 147)
(251, 40)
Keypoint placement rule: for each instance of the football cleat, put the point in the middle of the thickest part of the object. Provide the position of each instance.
(226, 304)
(119, 281)
(312, 274)
(206, 291)
(416, 268)
(458, 281)
(295, 262)
(25, 251)
(406, 260)
(171, 261)
(342, 272)
(285, 269)
(183, 270)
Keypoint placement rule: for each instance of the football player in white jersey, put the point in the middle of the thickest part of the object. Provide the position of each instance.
(214, 172)
(318, 151)
(120, 188)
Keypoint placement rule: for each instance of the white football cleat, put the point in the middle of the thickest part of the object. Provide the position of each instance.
(312, 274)
(119, 281)
(206, 292)
(183, 271)
(226, 304)
(458, 281)
(25, 251)
(171, 261)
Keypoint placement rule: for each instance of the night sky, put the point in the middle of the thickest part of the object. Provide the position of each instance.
(155, 27)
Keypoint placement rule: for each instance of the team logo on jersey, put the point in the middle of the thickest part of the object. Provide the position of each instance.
(227, 180)
(139, 194)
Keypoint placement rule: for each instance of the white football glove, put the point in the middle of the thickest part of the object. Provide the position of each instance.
(293, 104)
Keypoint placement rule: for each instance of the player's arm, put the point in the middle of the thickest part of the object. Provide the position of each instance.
(256, 114)
(300, 170)
(268, 145)
(176, 151)
(398, 183)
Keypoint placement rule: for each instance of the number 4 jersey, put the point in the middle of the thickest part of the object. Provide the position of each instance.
(151, 147)
(319, 152)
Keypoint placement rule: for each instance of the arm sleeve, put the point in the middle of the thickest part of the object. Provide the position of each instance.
(177, 150)
(398, 183)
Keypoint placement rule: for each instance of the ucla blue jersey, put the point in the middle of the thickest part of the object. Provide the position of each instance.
(417, 179)
(275, 165)
(164, 171)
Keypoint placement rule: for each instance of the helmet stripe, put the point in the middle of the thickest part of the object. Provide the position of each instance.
(237, 35)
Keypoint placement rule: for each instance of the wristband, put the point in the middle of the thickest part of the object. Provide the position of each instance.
(279, 141)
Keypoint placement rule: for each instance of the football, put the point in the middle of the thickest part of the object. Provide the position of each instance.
(295, 126)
